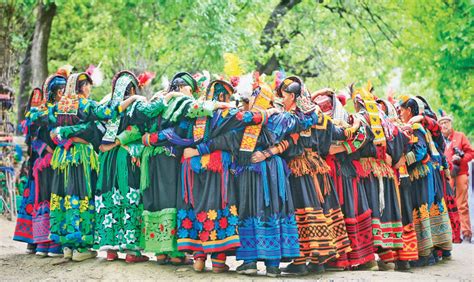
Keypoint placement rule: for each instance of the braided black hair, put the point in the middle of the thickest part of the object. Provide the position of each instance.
(412, 105)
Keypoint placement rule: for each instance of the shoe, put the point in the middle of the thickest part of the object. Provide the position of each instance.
(437, 256)
(273, 271)
(199, 265)
(402, 265)
(446, 255)
(247, 268)
(296, 269)
(331, 266)
(221, 269)
(67, 252)
(162, 259)
(370, 265)
(180, 261)
(386, 266)
(133, 258)
(42, 254)
(54, 255)
(422, 261)
(112, 255)
(431, 260)
(316, 268)
(467, 239)
(31, 249)
(78, 256)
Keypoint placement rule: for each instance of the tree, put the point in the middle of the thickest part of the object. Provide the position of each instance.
(39, 45)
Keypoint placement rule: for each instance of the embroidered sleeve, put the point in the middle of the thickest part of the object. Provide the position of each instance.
(357, 142)
(65, 132)
(93, 111)
(149, 110)
(200, 109)
(418, 150)
(129, 135)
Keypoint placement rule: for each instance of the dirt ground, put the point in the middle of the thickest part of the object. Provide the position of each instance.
(16, 265)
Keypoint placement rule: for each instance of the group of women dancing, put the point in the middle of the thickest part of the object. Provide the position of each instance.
(278, 174)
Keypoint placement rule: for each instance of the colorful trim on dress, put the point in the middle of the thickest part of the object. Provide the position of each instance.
(208, 231)
(72, 221)
(359, 230)
(271, 239)
(159, 231)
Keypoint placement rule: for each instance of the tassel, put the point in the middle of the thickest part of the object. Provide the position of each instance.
(224, 180)
(355, 189)
(317, 188)
(122, 169)
(144, 171)
(431, 191)
(266, 192)
(281, 178)
(381, 195)
(102, 160)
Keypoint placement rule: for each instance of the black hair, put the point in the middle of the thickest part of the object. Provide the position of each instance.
(412, 105)
(54, 92)
(128, 90)
(80, 84)
(293, 87)
(176, 83)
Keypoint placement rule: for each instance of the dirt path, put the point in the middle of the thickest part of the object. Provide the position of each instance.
(16, 265)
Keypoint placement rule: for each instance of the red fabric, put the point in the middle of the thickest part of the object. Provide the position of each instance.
(459, 140)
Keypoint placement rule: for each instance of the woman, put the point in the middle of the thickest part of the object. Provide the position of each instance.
(321, 229)
(43, 173)
(118, 198)
(351, 192)
(75, 165)
(24, 223)
(379, 179)
(160, 169)
(430, 216)
(396, 148)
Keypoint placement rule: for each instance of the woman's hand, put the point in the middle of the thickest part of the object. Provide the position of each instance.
(335, 149)
(257, 157)
(190, 152)
(106, 147)
(400, 162)
(415, 119)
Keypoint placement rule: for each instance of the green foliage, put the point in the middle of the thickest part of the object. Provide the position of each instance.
(426, 45)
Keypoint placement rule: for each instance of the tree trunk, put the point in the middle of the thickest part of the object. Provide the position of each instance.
(39, 50)
(7, 10)
(25, 87)
(268, 39)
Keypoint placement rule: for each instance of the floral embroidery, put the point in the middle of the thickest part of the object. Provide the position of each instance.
(212, 214)
(208, 225)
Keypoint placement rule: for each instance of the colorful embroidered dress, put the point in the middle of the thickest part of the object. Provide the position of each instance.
(351, 193)
(75, 167)
(118, 198)
(378, 177)
(24, 224)
(160, 177)
(43, 174)
(321, 227)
